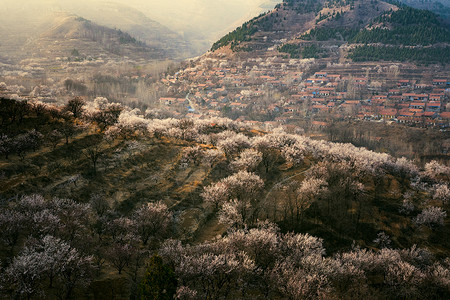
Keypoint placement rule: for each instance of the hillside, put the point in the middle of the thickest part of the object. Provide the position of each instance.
(115, 187)
(25, 22)
(133, 21)
(70, 35)
(306, 156)
(305, 29)
(439, 7)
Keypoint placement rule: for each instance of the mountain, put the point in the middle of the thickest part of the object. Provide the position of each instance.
(292, 18)
(70, 35)
(182, 28)
(309, 29)
(134, 22)
(439, 7)
(28, 19)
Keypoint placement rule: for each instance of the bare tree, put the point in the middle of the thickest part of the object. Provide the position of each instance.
(93, 154)
(75, 106)
(68, 129)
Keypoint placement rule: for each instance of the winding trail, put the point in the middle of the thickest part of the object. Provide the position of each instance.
(266, 199)
(283, 181)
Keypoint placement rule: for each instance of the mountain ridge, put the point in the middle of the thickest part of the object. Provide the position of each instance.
(289, 26)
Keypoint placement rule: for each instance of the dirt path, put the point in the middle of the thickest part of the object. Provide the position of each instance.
(210, 230)
(283, 181)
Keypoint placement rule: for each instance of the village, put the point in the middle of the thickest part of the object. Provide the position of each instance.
(274, 91)
(269, 91)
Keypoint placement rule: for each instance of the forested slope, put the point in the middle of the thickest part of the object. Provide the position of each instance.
(98, 189)
(372, 31)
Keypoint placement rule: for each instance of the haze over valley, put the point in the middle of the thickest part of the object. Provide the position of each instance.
(189, 27)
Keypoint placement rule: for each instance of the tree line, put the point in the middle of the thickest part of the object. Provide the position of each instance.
(432, 55)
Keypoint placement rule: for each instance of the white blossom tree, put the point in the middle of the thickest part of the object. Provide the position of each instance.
(212, 156)
(192, 155)
(241, 190)
(431, 217)
(231, 143)
(152, 221)
(76, 218)
(50, 259)
(248, 160)
(308, 192)
(24, 275)
(230, 213)
(435, 170)
(186, 293)
(441, 193)
(216, 194)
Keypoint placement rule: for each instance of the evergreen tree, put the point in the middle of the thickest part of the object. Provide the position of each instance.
(159, 282)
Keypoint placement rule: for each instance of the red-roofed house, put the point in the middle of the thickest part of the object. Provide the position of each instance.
(319, 107)
(333, 77)
(320, 74)
(394, 92)
(434, 106)
(319, 124)
(388, 113)
(403, 83)
(436, 97)
(445, 115)
(417, 105)
(430, 114)
(439, 81)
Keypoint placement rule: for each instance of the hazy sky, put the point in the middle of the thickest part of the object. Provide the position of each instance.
(199, 13)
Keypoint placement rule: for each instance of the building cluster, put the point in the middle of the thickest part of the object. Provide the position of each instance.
(277, 90)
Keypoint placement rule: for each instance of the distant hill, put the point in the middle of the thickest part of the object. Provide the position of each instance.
(201, 22)
(183, 28)
(134, 22)
(29, 19)
(76, 37)
(307, 29)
